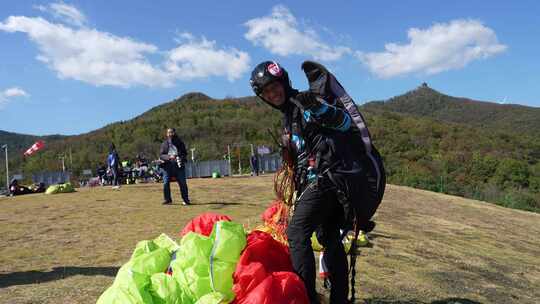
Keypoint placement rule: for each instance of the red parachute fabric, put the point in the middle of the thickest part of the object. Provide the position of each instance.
(264, 273)
(262, 248)
(204, 223)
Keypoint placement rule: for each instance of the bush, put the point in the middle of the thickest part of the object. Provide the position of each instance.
(519, 200)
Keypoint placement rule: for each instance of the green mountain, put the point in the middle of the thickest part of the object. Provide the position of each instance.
(18, 142)
(496, 166)
(437, 149)
(206, 124)
(427, 102)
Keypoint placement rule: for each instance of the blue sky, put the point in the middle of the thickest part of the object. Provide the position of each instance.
(74, 66)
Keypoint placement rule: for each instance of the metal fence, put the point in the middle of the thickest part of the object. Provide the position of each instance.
(269, 162)
(51, 178)
(206, 168)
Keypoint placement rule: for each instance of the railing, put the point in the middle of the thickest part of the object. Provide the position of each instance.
(206, 168)
(51, 178)
(267, 163)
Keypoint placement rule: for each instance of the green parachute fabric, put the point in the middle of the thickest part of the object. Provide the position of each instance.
(164, 241)
(212, 298)
(152, 262)
(191, 266)
(133, 284)
(166, 290)
(143, 247)
(127, 288)
(202, 271)
(60, 188)
(205, 265)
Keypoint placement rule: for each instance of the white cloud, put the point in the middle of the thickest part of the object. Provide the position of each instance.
(14, 92)
(101, 58)
(10, 93)
(280, 34)
(64, 12)
(88, 55)
(442, 47)
(200, 58)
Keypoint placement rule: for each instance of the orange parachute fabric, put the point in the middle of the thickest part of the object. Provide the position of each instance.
(275, 220)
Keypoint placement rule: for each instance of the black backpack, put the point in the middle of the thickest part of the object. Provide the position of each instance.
(324, 84)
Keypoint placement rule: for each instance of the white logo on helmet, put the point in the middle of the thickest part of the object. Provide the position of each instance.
(274, 69)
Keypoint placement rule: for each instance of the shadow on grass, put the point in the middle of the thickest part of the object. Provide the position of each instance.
(368, 245)
(444, 301)
(376, 235)
(221, 204)
(57, 273)
(216, 204)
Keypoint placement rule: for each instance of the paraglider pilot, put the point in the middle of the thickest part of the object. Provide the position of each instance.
(326, 156)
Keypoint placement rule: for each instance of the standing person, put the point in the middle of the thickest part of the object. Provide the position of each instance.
(254, 162)
(325, 156)
(113, 162)
(174, 156)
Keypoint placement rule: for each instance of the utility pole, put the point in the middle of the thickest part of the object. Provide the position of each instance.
(229, 159)
(238, 146)
(239, 161)
(193, 165)
(7, 166)
(62, 157)
(70, 160)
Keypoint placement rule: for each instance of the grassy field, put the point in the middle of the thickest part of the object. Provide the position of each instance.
(427, 247)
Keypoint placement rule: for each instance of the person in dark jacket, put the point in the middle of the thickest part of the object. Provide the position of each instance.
(174, 156)
(113, 163)
(318, 138)
(254, 162)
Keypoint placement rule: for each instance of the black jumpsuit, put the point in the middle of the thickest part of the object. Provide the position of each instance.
(320, 137)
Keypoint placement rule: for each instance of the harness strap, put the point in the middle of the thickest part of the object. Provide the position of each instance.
(352, 267)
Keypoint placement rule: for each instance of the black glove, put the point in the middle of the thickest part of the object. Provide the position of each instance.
(317, 76)
(307, 99)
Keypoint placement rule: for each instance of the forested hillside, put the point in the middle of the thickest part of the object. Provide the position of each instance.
(454, 148)
(427, 102)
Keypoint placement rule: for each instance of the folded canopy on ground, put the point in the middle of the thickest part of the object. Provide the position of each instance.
(220, 266)
(60, 188)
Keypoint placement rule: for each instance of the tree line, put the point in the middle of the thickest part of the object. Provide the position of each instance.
(493, 164)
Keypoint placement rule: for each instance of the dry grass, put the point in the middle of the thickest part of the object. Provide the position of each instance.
(427, 247)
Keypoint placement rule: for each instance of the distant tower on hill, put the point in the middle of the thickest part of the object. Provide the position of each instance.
(424, 85)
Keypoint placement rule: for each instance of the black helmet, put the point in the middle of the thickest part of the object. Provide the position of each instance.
(267, 72)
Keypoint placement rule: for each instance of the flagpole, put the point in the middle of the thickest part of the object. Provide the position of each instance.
(7, 167)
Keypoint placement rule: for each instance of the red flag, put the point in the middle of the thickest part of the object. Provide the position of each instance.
(38, 145)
